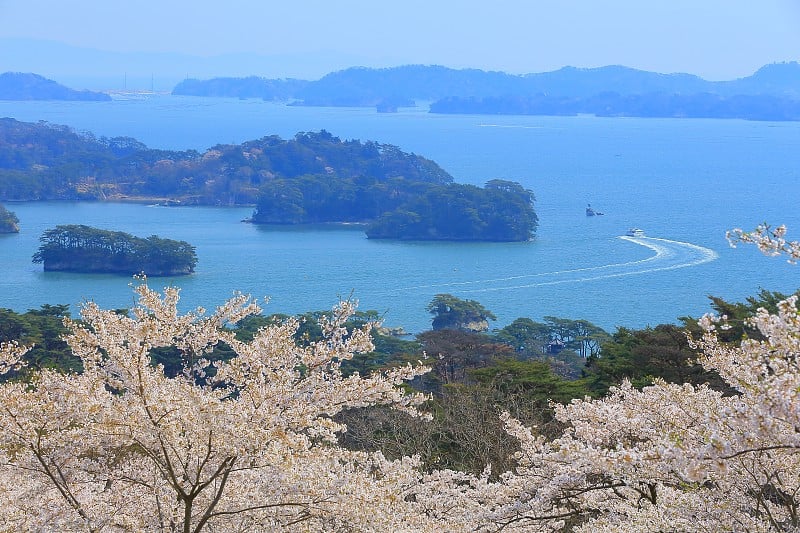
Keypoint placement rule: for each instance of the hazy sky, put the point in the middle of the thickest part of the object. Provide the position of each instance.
(716, 39)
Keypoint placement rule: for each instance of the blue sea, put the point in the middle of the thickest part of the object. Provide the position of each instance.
(684, 181)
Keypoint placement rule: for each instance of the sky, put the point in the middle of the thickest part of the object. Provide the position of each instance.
(715, 39)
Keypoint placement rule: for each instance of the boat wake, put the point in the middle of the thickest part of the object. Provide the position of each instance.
(511, 126)
(669, 255)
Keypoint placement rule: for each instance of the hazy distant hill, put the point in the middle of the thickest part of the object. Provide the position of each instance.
(778, 78)
(23, 86)
(250, 87)
(583, 82)
(88, 68)
(359, 86)
(772, 93)
(434, 82)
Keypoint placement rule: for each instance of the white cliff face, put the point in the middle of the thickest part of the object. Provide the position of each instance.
(475, 326)
(10, 227)
(472, 326)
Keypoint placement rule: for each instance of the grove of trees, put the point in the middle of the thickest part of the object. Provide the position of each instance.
(78, 248)
(501, 211)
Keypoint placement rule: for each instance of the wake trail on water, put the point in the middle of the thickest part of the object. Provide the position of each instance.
(669, 255)
(511, 126)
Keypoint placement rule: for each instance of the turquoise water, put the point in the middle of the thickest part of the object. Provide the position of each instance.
(683, 181)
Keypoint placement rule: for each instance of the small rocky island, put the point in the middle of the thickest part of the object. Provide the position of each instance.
(9, 223)
(78, 248)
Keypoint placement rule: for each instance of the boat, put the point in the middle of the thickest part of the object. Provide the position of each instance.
(635, 232)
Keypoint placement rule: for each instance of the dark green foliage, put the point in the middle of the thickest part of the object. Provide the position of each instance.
(8, 221)
(450, 312)
(43, 328)
(473, 380)
(564, 344)
(737, 314)
(531, 381)
(78, 248)
(580, 336)
(389, 349)
(49, 162)
(320, 178)
(528, 338)
(664, 351)
(502, 211)
(453, 354)
(643, 355)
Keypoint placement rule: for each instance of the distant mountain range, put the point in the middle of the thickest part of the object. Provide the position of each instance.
(771, 93)
(361, 86)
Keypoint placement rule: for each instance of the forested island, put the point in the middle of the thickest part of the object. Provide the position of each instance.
(313, 178)
(79, 248)
(8, 221)
(501, 211)
(26, 86)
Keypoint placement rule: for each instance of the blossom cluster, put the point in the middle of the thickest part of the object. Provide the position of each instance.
(771, 241)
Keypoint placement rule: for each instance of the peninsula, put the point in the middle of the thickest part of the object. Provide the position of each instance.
(78, 248)
(26, 86)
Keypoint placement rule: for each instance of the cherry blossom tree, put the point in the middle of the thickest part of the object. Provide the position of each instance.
(672, 457)
(239, 445)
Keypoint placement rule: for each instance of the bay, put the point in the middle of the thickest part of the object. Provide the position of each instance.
(684, 181)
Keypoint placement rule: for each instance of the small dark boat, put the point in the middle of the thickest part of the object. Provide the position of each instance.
(590, 212)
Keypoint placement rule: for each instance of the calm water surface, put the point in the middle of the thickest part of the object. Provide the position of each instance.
(684, 181)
